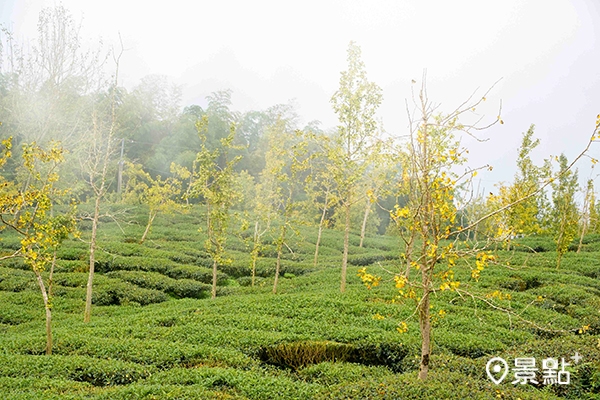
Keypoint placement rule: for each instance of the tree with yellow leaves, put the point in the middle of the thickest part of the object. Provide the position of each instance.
(355, 102)
(285, 160)
(427, 222)
(160, 195)
(564, 212)
(524, 217)
(26, 208)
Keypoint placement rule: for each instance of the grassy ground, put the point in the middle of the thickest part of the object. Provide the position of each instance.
(155, 334)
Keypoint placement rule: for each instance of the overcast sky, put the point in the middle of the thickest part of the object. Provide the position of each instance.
(546, 52)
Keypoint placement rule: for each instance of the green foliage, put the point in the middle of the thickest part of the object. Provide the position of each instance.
(355, 103)
(175, 287)
(160, 195)
(528, 216)
(565, 215)
(214, 180)
(116, 292)
(80, 369)
(191, 348)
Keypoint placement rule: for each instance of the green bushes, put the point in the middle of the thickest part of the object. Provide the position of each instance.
(12, 314)
(329, 373)
(315, 342)
(97, 372)
(192, 272)
(101, 374)
(163, 266)
(535, 244)
(467, 344)
(254, 383)
(368, 259)
(12, 280)
(175, 287)
(117, 292)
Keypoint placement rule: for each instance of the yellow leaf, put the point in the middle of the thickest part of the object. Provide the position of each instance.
(402, 327)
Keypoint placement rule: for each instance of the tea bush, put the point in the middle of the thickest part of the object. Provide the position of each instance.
(180, 345)
(175, 287)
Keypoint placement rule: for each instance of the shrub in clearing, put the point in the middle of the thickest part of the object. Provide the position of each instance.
(296, 355)
(300, 354)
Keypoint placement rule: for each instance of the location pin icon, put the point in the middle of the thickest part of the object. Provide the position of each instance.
(494, 367)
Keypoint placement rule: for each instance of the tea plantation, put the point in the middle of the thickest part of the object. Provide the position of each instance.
(156, 334)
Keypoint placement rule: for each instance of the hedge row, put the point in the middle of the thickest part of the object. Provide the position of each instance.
(175, 287)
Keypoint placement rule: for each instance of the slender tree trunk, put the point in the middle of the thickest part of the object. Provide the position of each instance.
(214, 280)
(321, 222)
(88, 295)
(346, 245)
(408, 256)
(151, 217)
(277, 268)
(279, 251)
(253, 269)
(559, 240)
(48, 329)
(47, 296)
(48, 308)
(581, 240)
(317, 245)
(363, 229)
(101, 190)
(255, 252)
(584, 228)
(425, 327)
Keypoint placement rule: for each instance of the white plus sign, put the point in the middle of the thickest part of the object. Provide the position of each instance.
(576, 357)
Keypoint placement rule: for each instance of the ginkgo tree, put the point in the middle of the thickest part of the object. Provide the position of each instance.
(565, 216)
(428, 221)
(355, 102)
(524, 217)
(594, 209)
(27, 209)
(160, 195)
(377, 182)
(320, 187)
(96, 160)
(588, 212)
(285, 159)
(214, 181)
(255, 219)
